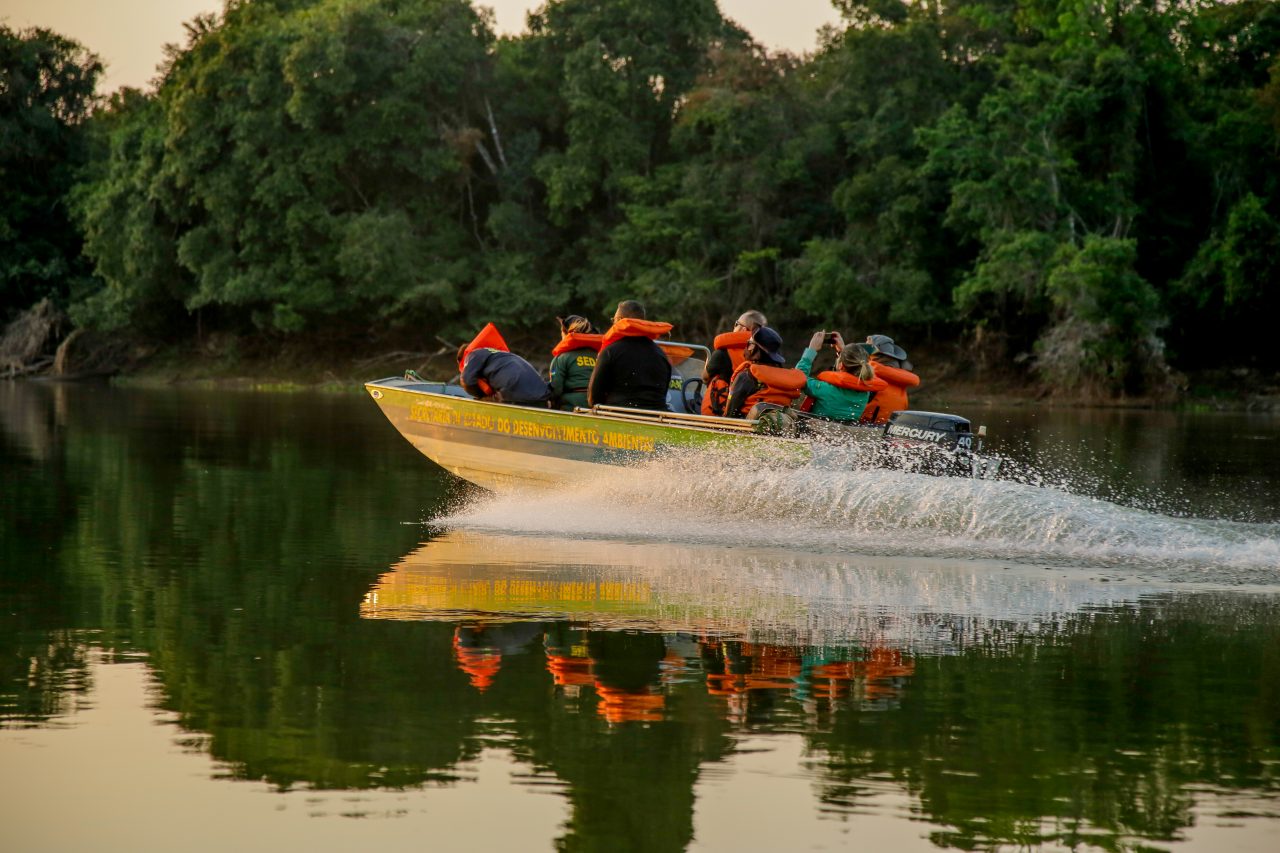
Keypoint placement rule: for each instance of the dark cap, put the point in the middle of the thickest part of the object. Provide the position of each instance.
(770, 343)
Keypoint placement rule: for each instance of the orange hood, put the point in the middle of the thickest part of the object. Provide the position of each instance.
(578, 340)
(731, 340)
(489, 338)
(630, 327)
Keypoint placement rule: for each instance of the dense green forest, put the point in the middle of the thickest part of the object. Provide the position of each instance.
(1085, 192)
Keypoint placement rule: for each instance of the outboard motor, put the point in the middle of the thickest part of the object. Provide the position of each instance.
(929, 429)
(934, 443)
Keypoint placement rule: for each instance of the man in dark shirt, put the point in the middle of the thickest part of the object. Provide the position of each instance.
(510, 378)
(631, 370)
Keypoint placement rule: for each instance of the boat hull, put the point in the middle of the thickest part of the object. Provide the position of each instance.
(500, 446)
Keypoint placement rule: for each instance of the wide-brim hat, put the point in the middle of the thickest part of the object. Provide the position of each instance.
(770, 343)
(885, 344)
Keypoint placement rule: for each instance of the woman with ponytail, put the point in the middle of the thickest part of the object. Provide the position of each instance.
(572, 361)
(840, 394)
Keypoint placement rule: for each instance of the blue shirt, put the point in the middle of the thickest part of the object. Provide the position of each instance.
(512, 379)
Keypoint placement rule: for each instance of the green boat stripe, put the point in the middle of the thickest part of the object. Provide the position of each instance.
(579, 452)
(417, 412)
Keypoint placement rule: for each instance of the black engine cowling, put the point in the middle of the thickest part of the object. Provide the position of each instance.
(909, 428)
(934, 443)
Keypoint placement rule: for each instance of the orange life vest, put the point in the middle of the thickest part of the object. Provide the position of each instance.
(480, 664)
(851, 381)
(578, 340)
(489, 338)
(566, 670)
(677, 354)
(621, 706)
(734, 343)
(778, 385)
(715, 396)
(716, 393)
(630, 327)
(893, 397)
(846, 380)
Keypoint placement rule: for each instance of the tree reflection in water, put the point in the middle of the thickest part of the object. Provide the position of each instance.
(241, 545)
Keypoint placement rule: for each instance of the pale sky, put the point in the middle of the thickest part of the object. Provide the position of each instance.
(128, 34)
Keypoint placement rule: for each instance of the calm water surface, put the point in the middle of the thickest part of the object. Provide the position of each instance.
(263, 622)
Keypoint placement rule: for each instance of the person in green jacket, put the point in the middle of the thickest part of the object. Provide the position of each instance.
(840, 394)
(572, 362)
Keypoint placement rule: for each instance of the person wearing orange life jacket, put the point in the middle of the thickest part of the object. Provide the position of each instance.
(891, 365)
(761, 378)
(726, 355)
(840, 394)
(572, 361)
(631, 370)
(489, 370)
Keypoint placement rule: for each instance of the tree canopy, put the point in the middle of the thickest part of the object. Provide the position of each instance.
(46, 93)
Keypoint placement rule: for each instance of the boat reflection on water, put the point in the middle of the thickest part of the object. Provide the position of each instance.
(1008, 705)
(630, 671)
(626, 621)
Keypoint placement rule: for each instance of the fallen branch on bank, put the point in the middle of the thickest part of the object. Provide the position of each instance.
(27, 344)
(389, 356)
(39, 365)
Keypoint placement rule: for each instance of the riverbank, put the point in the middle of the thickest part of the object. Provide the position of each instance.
(949, 371)
(294, 370)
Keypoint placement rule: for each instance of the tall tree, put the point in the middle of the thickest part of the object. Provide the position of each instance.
(706, 234)
(1042, 176)
(886, 259)
(621, 70)
(1223, 202)
(46, 93)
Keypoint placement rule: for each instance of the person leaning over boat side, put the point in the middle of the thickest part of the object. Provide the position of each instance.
(726, 355)
(489, 371)
(572, 362)
(631, 370)
(891, 365)
(840, 394)
(761, 378)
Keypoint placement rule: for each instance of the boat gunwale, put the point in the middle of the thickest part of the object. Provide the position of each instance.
(635, 420)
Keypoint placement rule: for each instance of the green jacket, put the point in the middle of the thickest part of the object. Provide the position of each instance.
(570, 376)
(830, 401)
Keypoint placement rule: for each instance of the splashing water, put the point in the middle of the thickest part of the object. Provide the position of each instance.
(714, 500)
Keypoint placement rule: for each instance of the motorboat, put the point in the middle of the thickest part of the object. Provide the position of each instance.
(499, 446)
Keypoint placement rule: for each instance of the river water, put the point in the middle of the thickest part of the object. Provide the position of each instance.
(264, 622)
